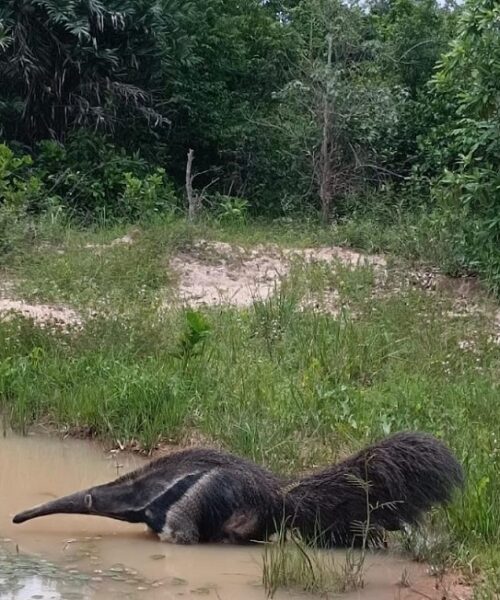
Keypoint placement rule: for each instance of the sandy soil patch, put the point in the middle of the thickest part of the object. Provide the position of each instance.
(218, 273)
(41, 314)
(214, 273)
(251, 279)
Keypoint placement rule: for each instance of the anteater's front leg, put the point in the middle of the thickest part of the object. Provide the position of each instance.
(179, 528)
(184, 517)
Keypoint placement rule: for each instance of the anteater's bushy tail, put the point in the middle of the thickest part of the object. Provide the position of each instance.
(387, 485)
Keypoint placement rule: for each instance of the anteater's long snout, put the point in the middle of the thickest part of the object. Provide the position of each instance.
(78, 503)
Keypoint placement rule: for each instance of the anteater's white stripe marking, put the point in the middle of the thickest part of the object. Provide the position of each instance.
(172, 483)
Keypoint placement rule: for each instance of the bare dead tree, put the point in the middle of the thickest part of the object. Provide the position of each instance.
(325, 166)
(194, 200)
(332, 118)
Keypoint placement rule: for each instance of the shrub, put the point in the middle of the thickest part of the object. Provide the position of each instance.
(230, 209)
(468, 189)
(146, 197)
(19, 190)
(96, 178)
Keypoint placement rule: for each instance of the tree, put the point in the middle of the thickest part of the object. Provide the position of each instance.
(467, 90)
(73, 63)
(338, 108)
(239, 55)
(411, 36)
(414, 34)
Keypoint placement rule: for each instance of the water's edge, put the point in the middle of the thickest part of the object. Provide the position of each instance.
(70, 557)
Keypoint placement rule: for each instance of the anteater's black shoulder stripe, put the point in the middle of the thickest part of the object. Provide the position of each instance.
(155, 513)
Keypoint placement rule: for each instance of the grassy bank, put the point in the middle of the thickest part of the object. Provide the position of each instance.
(286, 386)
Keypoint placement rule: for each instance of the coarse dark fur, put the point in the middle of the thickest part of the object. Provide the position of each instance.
(204, 495)
(199, 491)
(385, 486)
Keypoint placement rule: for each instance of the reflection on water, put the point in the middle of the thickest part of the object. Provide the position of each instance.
(69, 557)
(26, 578)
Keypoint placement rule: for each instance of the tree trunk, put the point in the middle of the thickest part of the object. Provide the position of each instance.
(325, 174)
(191, 196)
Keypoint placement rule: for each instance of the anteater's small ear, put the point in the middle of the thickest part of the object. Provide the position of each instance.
(88, 501)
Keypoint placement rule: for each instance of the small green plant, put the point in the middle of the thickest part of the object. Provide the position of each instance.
(191, 341)
(143, 198)
(231, 209)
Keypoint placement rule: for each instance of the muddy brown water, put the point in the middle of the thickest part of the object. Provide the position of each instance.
(72, 557)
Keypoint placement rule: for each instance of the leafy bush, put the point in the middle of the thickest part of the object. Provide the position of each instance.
(231, 209)
(146, 197)
(469, 188)
(18, 191)
(95, 178)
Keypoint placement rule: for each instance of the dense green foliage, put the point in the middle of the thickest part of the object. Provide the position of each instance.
(290, 107)
(467, 89)
(243, 84)
(66, 64)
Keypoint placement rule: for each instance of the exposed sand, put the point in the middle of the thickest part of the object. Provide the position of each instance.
(41, 314)
(215, 273)
(212, 273)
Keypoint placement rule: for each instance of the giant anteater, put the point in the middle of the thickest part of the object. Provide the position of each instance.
(204, 495)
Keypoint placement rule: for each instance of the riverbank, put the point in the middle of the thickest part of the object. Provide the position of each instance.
(299, 353)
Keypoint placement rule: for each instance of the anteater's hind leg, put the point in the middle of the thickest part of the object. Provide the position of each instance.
(242, 527)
